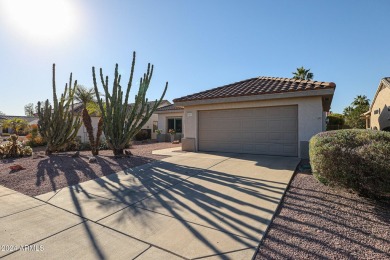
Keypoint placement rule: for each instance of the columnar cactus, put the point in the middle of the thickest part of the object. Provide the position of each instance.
(57, 124)
(121, 121)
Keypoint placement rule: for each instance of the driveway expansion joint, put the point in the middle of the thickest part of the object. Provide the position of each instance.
(40, 240)
(140, 240)
(22, 211)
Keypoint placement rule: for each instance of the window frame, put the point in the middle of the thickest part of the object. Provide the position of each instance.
(174, 124)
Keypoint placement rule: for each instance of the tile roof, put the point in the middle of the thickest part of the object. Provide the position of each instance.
(258, 86)
(386, 81)
(169, 108)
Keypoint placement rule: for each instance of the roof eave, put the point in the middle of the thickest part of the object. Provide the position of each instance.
(170, 111)
(283, 95)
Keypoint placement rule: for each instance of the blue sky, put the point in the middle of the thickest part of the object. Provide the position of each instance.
(195, 45)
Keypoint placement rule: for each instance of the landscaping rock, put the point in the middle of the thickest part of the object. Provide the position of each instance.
(16, 168)
(92, 159)
(76, 154)
(35, 155)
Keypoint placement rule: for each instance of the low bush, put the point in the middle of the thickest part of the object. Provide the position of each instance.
(142, 135)
(36, 141)
(14, 148)
(354, 159)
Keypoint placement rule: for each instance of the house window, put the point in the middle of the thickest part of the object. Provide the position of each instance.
(155, 126)
(376, 112)
(176, 124)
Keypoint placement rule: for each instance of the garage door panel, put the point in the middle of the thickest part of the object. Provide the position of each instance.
(247, 123)
(248, 136)
(273, 112)
(289, 112)
(270, 130)
(276, 137)
(261, 137)
(290, 123)
(261, 148)
(289, 149)
(290, 137)
(260, 124)
(275, 125)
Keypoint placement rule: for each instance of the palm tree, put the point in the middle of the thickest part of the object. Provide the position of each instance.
(347, 110)
(361, 100)
(303, 73)
(87, 98)
(16, 124)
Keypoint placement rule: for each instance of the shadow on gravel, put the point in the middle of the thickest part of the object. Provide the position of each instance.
(72, 169)
(318, 222)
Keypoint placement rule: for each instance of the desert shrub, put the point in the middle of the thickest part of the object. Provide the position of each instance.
(141, 135)
(336, 121)
(73, 145)
(103, 145)
(34, 138)
(14, 148)
(354, 159)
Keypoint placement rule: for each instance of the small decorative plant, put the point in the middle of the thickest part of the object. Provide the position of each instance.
(172, 131)
(158, 131)
(14, 148)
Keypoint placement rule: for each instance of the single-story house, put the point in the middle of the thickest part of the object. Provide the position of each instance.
(151, 125)
(170, 117)
(378, 117)
(263, 115)
(30, 119)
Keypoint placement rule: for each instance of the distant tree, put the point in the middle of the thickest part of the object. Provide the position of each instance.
(16, 124)
(361, 100)
(352, 113)
(1, 113)
(29, 109)
(303, 73)
(335, 121)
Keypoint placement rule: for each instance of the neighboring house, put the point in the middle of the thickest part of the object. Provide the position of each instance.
(264, 115)
(151, 124)
(30, 119)
(170, 117)
(378, 117)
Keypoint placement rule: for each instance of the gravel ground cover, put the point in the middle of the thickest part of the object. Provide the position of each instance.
(320, 222)
(60, 170)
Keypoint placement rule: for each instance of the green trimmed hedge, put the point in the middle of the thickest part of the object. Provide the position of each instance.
(352, 158)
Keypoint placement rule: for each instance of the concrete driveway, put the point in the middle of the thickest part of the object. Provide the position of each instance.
(187, 206)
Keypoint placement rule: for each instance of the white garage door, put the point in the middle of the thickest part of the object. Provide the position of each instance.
(267, 130)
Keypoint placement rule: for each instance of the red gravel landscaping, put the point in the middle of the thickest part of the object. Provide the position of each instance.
(60, 170)
(320, 222)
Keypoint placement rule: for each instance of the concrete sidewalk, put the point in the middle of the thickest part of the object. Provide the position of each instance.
(188, 206)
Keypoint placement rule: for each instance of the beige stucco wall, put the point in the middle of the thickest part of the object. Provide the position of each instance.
(82, 133)
(382, 102)
(149, 124)
(163, 120)
(310, 115)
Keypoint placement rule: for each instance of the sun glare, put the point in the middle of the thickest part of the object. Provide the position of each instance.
(40, 20)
